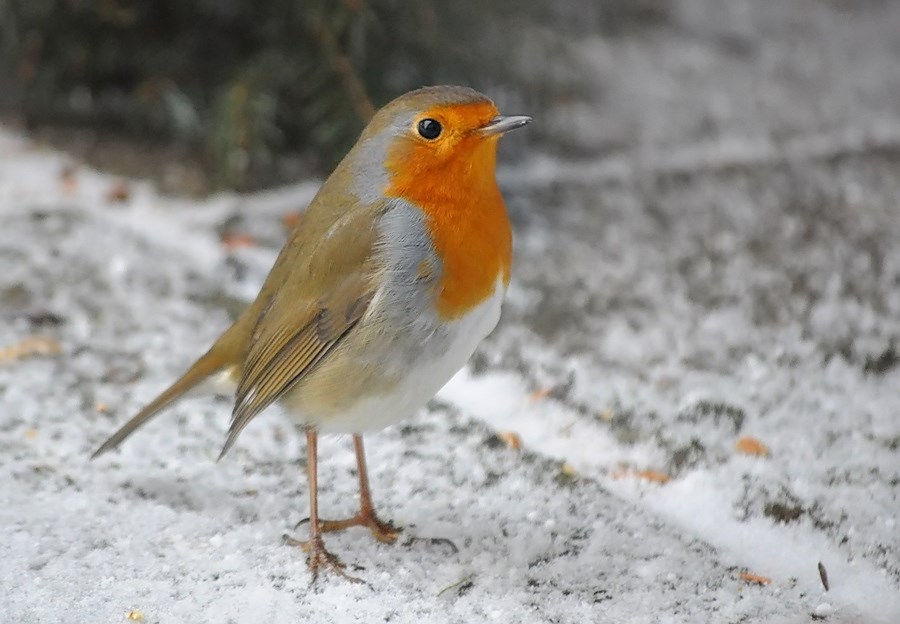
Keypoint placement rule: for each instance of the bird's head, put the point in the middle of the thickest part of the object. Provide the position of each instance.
(433, 140)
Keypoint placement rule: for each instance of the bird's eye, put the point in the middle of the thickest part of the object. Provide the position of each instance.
(430, 129)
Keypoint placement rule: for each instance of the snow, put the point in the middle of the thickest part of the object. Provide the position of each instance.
(666, 302)
(161, 528)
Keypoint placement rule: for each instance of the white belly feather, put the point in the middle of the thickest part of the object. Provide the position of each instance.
(425, 376)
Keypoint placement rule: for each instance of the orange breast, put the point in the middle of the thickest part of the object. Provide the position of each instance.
(466, 217)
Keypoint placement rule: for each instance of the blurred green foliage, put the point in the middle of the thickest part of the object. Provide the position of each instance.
(244, 80)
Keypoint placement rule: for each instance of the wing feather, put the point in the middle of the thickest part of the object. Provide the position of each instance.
(317, 293)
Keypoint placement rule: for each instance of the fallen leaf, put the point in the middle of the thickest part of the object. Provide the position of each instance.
(511, 439)
(606, 415)
(539, 395)
(31, 434)
(290, 220)
(653, 475)
(751, 446)
(568, 470)
(135, 615)
(648, 475)
(29, 347)
(750, 577)
(69, 180)
(101, 407)
(118, 193)
(236, 240)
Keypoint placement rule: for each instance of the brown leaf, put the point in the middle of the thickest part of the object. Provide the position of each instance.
(750, 577)
(290, 220)
(237, 240)
(511, 439)
(118, 193)
(30, 347)
(751, 446)
(653, 475)
(68, 180)
(539, 395)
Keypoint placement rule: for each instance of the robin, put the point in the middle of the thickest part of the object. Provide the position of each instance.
(386, 285)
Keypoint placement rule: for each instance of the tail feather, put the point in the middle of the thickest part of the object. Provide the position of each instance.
(224, 353)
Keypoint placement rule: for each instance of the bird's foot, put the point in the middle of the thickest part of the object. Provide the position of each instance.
(384, 532)
(318, 557)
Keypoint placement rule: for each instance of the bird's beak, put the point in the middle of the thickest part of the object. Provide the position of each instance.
(501, 124)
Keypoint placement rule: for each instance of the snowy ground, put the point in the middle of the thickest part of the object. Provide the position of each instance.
(723, 263)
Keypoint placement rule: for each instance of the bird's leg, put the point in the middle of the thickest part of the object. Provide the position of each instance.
(366, 517)
(317, 556)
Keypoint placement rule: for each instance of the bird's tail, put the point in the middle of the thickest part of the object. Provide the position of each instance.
(226, 352)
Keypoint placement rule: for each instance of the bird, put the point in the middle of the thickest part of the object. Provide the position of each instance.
(386, 285)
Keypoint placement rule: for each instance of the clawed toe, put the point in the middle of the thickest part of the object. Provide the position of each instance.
(318, 557)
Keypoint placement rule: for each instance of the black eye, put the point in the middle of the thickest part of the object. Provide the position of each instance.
(429, 129)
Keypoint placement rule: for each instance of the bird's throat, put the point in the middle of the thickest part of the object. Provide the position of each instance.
(467, 221)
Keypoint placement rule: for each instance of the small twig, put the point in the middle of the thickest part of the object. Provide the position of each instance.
(434, 541)
(458, 583)
(823, 575)
(343, 66)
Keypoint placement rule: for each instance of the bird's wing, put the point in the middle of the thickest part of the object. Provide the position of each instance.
(327, 284)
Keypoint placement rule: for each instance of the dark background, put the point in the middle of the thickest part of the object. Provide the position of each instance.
(255, 93)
